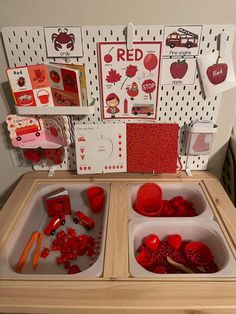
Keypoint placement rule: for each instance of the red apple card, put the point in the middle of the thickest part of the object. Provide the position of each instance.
(100, 148)
(217, 70)
(181, 71)
(152, 147)
(129, 79)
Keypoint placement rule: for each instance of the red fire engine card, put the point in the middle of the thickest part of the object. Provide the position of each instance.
(182, 41)
(217, 73)
(178, 71)
(100, 148)
(152, 147)
(129, 79)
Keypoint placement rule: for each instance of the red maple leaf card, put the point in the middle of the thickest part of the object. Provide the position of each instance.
(152, 147)
(113, 76)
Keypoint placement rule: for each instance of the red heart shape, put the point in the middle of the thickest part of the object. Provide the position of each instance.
(152, 241)
(143, 259)
(174, 241)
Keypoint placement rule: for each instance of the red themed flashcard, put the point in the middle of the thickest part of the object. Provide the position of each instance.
(100, 148)
(182, 41)
(48, 85)
(178, 71)
(64, 42)
(129, 79)
(217, 73)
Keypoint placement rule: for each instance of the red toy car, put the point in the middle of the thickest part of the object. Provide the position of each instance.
(54, 224)
(83, 220)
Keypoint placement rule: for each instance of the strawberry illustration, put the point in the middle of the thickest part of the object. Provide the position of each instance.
(217, 72)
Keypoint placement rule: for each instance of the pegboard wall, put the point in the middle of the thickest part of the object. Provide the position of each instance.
(176, 103)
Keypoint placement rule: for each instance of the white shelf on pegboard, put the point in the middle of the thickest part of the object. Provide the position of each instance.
(49, 110)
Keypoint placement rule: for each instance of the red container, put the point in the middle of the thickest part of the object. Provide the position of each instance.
(148, 206)
(96, 197)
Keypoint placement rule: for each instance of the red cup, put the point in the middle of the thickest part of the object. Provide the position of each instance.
(150, 189)
(96, 197)
(148, 206)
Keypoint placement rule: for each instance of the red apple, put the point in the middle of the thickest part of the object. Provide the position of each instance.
(217, 73)
(54, 76)
(178, 69)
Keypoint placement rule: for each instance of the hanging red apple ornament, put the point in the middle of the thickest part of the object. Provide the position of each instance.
(178, 69)
(150, 61)
(217, 72)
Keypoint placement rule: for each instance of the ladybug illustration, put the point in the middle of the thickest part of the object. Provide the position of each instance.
(21, 81)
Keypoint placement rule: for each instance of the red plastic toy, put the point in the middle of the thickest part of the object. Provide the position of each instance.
(83, 220)
(54, 224)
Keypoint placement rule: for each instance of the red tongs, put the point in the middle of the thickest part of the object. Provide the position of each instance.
(36, 235)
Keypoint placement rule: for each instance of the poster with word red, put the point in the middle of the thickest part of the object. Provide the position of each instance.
(129, 79)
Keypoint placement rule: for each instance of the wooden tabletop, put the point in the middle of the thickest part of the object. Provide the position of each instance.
(116, 291)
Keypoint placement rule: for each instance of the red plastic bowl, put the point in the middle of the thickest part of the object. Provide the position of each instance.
(198, 253)
(148, 206)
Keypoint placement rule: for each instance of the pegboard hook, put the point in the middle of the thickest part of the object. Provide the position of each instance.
(223, 41)
(130, 36)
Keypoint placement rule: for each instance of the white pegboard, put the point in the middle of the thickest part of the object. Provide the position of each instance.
(180, 104)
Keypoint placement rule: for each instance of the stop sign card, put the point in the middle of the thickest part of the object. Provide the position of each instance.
(129, 79)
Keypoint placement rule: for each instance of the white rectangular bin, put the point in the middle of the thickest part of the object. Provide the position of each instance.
(35, 218)
(207, 232)
(191, 191)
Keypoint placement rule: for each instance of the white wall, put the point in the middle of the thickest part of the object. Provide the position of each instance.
(120, 12)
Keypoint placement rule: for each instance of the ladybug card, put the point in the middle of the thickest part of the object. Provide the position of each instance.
(129, 79)
(217, 73)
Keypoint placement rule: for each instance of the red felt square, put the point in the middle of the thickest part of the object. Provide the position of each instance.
(152, 147)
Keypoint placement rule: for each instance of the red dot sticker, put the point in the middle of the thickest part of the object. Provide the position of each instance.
(114, 167)
(120, 149)
(109, 167)
(121, 166)
(105, 167)
(120, 155)
(89, 168)
(119, 136)
(120, 143)
(117, 167)
(80, 168)
(85, 168)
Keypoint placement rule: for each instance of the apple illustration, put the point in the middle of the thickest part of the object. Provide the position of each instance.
(108, 56)
(178, 69)
(217, 73)
(103, 147)
(54, 76)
